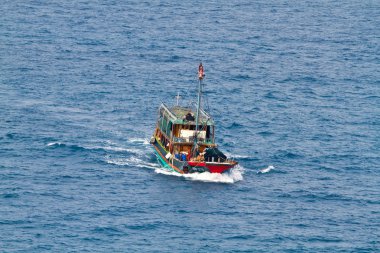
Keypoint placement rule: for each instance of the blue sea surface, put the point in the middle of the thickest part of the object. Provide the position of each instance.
(293, 86)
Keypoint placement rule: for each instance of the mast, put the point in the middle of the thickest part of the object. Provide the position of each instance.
(200, 77)
(198, 106)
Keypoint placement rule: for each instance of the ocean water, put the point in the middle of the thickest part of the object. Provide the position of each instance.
(294, 87)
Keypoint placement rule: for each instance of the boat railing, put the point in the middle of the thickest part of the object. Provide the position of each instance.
(164, 107)
(191, 139)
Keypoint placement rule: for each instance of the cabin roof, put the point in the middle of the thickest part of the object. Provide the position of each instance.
(177, 115)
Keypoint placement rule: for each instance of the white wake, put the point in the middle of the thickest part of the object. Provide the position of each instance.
(233, 176)
(131, 161)
(139, 159)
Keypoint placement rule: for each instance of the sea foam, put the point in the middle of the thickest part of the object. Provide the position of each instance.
(233, 176)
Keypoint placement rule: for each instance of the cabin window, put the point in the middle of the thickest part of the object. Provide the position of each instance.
(163, 124)
(166, 126)
(169, 128)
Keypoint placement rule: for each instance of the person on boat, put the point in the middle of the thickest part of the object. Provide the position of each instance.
(201, 72)
(189, 116)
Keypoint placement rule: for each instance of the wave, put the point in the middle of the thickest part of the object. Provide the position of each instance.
(118, 149)
(233, 176)
(55, 144)
(265, 170)
(236, 156)
(235, 125)
(239, 158)
(131, 161)
(228, 154)
(102, 148)
(139, 140)
(63, 145)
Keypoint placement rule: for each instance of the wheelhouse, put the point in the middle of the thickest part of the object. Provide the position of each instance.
(176, 129)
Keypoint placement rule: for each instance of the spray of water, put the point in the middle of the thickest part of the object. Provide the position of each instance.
(233, 176)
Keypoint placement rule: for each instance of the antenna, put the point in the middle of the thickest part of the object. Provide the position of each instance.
(178, 97)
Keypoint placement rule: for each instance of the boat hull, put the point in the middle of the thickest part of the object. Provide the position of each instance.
(214, 167)
(184, 167)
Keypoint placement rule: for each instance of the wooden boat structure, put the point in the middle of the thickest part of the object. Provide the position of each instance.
(184, 139)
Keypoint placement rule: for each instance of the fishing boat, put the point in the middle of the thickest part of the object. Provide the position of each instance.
(184, 138)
